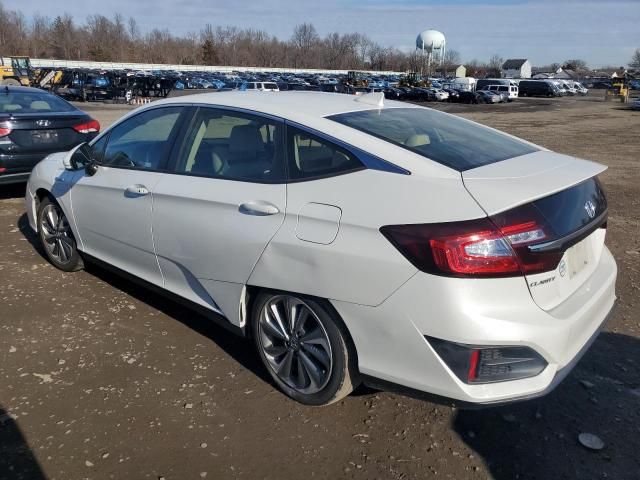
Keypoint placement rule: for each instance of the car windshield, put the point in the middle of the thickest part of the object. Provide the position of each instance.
(443, 138)
(32, 102)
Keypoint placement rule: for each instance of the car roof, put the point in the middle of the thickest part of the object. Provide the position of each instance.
(21, 89)
(300, 106)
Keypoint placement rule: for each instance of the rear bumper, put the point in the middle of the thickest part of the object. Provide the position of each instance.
(8, 178)
(421, 395)
(20, 163)
(391, 345)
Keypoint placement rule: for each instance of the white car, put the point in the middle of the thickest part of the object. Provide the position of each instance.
(262, 86)
(350, 238)
(580, 89)
(441, 95)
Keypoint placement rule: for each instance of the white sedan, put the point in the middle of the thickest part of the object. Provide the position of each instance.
(350, 238)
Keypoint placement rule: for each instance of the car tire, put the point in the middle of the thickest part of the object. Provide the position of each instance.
(56, 237)
(313, 361)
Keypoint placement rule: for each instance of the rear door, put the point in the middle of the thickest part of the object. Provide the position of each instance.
(566, 193)
(226, 198)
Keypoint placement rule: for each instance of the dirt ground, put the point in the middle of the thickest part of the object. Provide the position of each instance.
(102, 379)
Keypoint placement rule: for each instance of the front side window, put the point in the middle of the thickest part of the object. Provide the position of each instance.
(311, 156)
(141, 142)
(443, 138)
(233, 145)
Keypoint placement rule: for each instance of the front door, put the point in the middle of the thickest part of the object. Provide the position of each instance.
(113, 207)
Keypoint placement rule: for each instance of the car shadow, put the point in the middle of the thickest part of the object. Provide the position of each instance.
(13, 190)
(539, 439)
(17, 461)
(238, 348)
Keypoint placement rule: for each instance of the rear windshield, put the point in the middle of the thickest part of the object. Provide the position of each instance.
(443, 138)
(30, 102)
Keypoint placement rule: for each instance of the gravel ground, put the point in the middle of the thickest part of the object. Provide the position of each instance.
(102, 379)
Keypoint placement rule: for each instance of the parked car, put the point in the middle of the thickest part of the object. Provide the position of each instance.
(390, 241)
(440, 95)
(33, 124)
(580, 89)
(510, 92)
(601, 85)
(635, 105)
(465, 97)
(538, 88)
(262, 86)
(487, 96)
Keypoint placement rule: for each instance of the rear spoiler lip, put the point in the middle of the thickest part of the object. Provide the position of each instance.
(562, 244)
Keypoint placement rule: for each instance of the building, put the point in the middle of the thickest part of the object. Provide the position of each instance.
(461, 71)
(516, 68)
(565, 74)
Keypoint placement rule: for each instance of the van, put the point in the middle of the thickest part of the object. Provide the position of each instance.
(483, 83)
(538, 88)
(464, 84)
(510, 90)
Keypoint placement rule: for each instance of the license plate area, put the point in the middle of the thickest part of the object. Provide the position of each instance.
(44, 137)
(578, 257)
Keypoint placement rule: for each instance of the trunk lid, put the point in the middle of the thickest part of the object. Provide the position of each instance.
(564, 191)
(41, 132)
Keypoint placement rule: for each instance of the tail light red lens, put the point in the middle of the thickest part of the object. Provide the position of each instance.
(489, 247)
(4, 132)
(92, 126)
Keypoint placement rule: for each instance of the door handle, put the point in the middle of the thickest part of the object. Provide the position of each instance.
(258, 208)
(136, 191)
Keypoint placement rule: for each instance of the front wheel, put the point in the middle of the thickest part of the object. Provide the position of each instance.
(57, 238)
(305, 348)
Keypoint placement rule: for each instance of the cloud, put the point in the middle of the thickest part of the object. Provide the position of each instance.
(543, 30)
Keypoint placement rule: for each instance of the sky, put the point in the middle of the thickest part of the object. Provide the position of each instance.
(604, 32)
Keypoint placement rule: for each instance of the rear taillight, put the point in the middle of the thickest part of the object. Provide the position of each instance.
(489, 247)
(4, 132)
(92, 126)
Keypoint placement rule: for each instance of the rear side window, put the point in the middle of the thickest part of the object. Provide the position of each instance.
(30, 102)
(311, 156)
(443, 138)
(233, 145)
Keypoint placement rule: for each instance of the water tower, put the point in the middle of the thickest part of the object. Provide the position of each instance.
(433, 46)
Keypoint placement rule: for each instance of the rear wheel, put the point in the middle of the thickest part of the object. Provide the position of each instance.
(57, 238)
(11, 81)
(304, 346)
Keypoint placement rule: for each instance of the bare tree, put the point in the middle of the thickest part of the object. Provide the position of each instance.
(576, 65)
(450, 61)
(494, 66)
(635, 59)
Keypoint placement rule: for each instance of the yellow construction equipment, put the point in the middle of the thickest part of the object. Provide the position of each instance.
(414, 79)
(619, 89)
(16, 71)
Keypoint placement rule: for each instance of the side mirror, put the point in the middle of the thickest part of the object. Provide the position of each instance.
(81, 157)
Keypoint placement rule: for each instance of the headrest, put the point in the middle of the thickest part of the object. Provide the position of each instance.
(40, 105)
(417, 140)
(245, 139)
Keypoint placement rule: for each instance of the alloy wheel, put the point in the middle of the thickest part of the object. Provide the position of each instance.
(56, 234)
(295, 344)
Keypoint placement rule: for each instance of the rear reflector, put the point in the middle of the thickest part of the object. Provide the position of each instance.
(484, 364)
(4, 132)
(91, 126)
